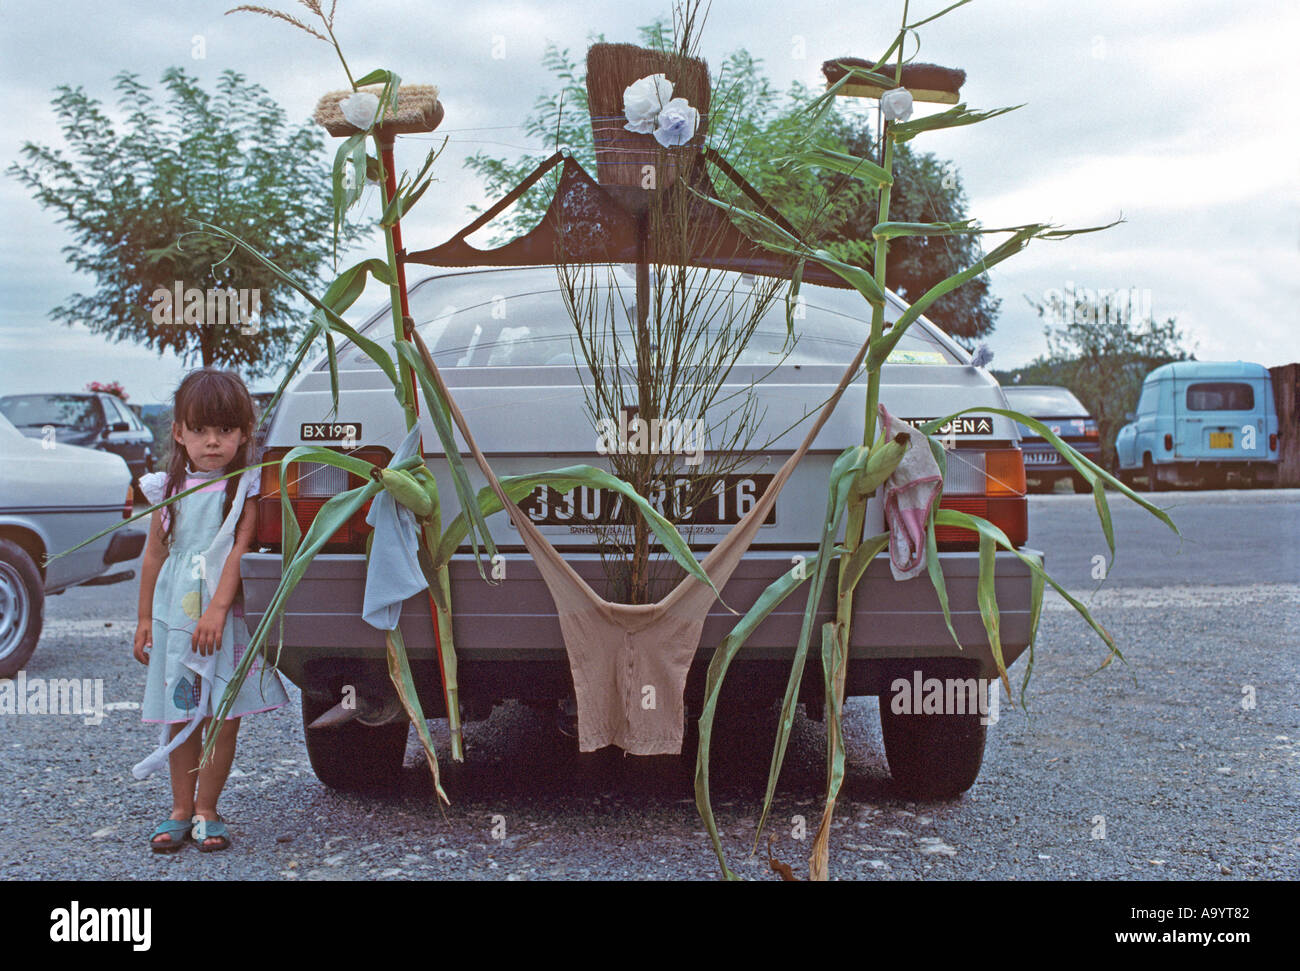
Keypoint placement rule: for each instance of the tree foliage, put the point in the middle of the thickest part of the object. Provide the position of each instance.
(755, 127)
(130, 199)
(1101, 350)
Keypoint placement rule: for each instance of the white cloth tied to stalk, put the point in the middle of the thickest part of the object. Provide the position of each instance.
(393, 570)
(910, 492)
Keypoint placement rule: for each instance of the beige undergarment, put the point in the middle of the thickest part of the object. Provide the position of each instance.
(619, 651)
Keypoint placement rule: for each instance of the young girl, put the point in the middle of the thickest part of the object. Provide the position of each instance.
(191, 632)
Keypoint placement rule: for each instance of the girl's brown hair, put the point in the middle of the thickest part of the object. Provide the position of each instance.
(208, 396)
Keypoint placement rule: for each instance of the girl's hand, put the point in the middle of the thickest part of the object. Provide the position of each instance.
(208, 631)
(143, 640)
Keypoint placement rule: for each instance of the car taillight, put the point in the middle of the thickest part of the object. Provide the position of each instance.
(130, 501)
(1169, 442)
(1272, 442)
(1090, 429)
(989, 484)
(309, 485)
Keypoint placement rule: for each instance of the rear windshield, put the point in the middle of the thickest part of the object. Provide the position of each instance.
(1045, 402)
(519, 319)
(79, 412)
(1220, 396)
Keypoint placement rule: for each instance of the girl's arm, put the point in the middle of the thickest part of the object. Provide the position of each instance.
(155, 554)
(207, 632)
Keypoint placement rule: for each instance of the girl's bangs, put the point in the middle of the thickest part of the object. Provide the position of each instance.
(213, 399)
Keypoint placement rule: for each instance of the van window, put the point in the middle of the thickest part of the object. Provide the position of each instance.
(1147, 403)
(1220, 396)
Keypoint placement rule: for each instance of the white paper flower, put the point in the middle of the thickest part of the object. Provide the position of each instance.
(643, 100)
(360, 109)
(677, 123)
(897, 104)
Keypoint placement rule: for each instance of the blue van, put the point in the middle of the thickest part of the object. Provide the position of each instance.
(1198, 421)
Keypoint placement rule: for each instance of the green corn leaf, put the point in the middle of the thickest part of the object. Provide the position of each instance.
(963, 227)
(902, 131)
(562, 481)
(1094, 474)
(986, 597)
(948, 9)
(844, 471)
(851, 571)
(834, 660)
(1035, 615)
(440, 415)
(792, 297)
(336, 511)
(854, 166)
(723, 655)
(152, 509)
(934, 568)
(399, 671)
(328, 318)
(952, 517)
(880, 349)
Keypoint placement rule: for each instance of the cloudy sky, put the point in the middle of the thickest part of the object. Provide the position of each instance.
(1178, 115)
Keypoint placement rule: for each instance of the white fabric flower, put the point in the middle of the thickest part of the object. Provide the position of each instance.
(360, 109)
(643, 100)
(897, 104)
(677, 123)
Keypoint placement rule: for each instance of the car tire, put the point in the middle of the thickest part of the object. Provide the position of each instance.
(1080, 484)
(353, 757)
(932, 756)
(22, 607)
(1149, 472)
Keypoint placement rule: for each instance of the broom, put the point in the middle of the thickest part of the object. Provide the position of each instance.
(418, 110)
(621, 155)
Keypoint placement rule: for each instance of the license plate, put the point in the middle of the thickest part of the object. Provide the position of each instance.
(1220, 439)
(686, 500)
(1040, 458)
(330, 431)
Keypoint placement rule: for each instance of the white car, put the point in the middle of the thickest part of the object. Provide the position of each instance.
(503, 340)
(53, 496)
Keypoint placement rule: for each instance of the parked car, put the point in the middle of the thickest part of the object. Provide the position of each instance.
(504, 341)
(92, 419)
(1062, 412)
(52, 496)
(1197, 422)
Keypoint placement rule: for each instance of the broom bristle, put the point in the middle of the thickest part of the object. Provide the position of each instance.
(418, 110)
(621, 154)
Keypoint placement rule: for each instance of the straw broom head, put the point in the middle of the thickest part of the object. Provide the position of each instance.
(418, 110)
(621, 154)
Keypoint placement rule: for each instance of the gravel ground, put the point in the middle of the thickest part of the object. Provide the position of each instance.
(1150, 770)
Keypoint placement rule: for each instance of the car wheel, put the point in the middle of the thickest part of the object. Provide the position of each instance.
(1149, 471)
(1080, 484)
(22, 607)
(932, 756)
(353, 757)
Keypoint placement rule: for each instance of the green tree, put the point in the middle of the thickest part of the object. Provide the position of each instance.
(1101, 350)
(130, 201)
(755, 126)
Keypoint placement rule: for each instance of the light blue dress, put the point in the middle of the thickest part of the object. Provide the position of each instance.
(174, 687)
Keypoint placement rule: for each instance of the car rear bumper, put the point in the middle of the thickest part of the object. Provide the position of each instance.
(513, 623)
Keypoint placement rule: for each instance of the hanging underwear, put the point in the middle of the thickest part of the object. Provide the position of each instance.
(619, 652)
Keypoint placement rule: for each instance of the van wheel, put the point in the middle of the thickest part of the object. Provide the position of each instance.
(932, 756)
(22, 607)
(353, 757)
(1149, 471)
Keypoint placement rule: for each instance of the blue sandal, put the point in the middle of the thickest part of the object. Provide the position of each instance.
(177, 831)
(211, 829)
